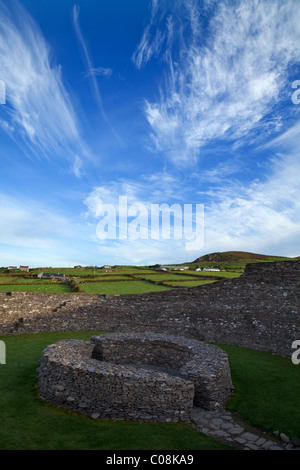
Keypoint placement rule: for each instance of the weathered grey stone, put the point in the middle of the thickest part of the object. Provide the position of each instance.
(205, 365)
(58, 388)
(248, 436)
(216, 421)
(284, 437)
(260, 441)
(236, 430)
(248, 311)
(252, 446)
(221, 434)
(239, 440)
(267, 445)
(135, 376)
(221, 431)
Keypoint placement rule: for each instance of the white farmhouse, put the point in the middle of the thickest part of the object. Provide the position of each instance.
(211, 269)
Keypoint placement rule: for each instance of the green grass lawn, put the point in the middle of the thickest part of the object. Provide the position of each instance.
(121, 280)
(267, 390)
(123, 287)
(226, 274)
(57, 288)
(28, 423)
(165, 277)
(6, 279)
(103, 276)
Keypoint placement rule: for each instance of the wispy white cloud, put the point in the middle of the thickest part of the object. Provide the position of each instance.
(152, 40)
(263, 216)
(30, 224)
(37, 233)
(39, 109)
(144, 252)
(91, 71)
(224, 77)
(132, 204)
(77, 166)
(99, 71)
(157, 188)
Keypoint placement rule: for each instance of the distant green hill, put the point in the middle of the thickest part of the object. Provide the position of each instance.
(236, 259)
(238, 256)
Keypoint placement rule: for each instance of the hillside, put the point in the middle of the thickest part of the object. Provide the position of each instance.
(235, 259)
(236, 256)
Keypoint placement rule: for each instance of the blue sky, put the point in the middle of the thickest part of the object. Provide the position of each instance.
(180, 102)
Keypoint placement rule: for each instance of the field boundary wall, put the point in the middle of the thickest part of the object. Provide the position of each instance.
(259, 310)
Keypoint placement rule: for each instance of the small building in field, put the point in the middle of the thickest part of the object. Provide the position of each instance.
(24, 269)
(211, 269)
(162, 268)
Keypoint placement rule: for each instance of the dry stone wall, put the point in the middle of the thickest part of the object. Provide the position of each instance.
(141, 376)
(205, 365)
(71, 379)
(259, 310)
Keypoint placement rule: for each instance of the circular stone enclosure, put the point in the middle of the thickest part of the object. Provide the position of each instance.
(140, 376)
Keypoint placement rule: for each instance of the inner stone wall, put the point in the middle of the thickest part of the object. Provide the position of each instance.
(70, 378)
(167, 354)
(259, 310)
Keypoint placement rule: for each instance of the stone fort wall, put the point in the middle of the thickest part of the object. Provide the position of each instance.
(135, 376)
(260, 310)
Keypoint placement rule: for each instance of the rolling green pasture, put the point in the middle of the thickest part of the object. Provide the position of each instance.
(35, 288)
(167, 277)
(189, 283)
(115, 287)
(223, 274)
(119, 280)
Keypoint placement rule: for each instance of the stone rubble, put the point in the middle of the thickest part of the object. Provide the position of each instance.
(222, 425)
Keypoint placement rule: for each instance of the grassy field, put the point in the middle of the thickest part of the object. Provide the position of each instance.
(134, 279)
(188, 283)
(35, 288)
(267, 390)
(119, 288)
(120, 280)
